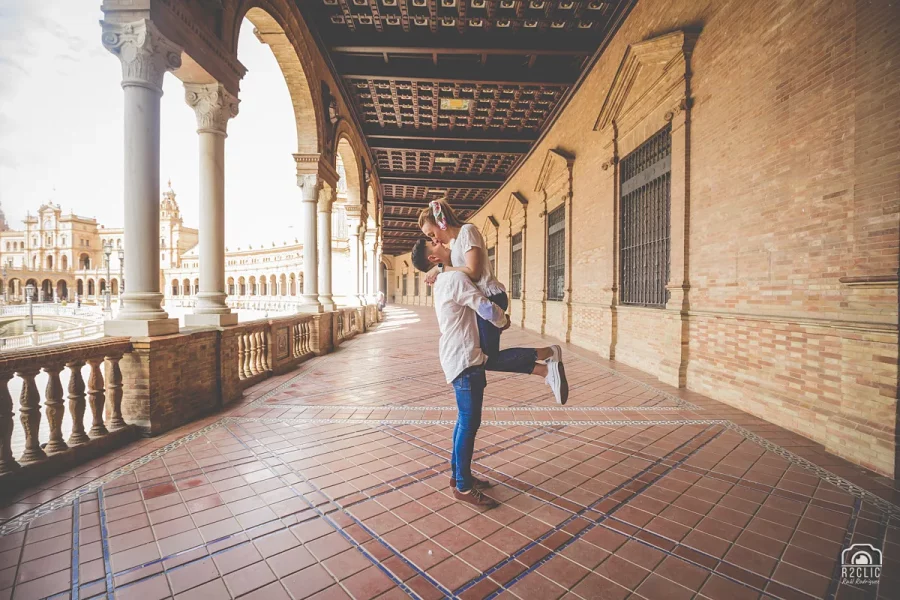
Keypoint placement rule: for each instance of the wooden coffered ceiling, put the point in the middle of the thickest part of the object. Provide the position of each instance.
(452, 94)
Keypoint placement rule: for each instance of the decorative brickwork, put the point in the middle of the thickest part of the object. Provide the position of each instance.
(784, 212)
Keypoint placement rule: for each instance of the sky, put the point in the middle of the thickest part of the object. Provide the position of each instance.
(61, 128)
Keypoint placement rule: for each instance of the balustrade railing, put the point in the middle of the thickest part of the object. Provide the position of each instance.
(253, 350)
(267, 345)
(102, 392)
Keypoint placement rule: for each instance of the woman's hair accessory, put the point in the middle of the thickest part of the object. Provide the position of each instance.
(438, 214)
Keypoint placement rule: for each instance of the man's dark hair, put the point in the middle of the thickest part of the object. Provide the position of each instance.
(420, 256)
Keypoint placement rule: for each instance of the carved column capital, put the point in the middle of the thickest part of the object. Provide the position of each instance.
(143, 51)
(327, 196)
(212, 104)
(309, 187)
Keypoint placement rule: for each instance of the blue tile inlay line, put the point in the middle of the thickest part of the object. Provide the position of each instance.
(554, 551)
(283, 527)
(848, 537)
(76, 531)
(579, 514)
(335, 526)
(542, 432)
(104, 543)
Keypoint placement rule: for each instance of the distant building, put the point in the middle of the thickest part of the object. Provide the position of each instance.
(63, 256)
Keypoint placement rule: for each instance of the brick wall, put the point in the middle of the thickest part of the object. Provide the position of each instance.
(171, 380)
(784, 234)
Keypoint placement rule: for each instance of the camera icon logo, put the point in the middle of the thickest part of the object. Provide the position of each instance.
(861, 564)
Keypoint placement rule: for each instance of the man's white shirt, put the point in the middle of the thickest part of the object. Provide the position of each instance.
(456, 301)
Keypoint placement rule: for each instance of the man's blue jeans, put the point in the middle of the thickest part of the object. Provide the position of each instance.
(469, 387)
(511, 360)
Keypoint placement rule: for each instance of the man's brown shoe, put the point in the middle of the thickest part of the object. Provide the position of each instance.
(480, 484)
(475, 497)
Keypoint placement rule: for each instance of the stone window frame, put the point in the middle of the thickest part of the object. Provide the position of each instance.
(515, 290)
(516, 218)
(650, 90)
(560, 230)
(555, 185)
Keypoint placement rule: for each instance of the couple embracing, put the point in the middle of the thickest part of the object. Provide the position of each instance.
(471, 310)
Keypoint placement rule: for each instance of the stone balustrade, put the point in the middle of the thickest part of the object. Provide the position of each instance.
(101, 392)
(152, 384)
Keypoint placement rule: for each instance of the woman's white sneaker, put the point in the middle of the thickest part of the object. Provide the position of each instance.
(556, 379)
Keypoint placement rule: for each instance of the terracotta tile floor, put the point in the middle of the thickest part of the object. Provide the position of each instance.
(332, 482)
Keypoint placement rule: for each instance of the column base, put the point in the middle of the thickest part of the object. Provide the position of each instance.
(327, 303)
(213, 319)
(136, 328)
(310, 305)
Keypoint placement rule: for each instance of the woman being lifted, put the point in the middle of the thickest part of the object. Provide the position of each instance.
(468, 254)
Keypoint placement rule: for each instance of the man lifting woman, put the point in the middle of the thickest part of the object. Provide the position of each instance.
(471, 309)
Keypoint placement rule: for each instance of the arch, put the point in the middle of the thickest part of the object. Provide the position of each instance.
(64, 263)
(46, 290)
(62, 289)
(84, 261)
(49, 263)
(231, 286)
(34, 263)
(186, 287)
(263, 286)
(79, 287)
(101, 286)
(293, 285)
(288, 45)
(372, 208)
(251, 283)
(242, 287)
(91, 288)
(273, 286)
(282, 281)
(352, 171)
(174, 287)
(114, 286)
(196, 286)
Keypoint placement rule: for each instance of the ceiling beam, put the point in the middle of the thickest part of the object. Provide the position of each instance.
(413, 203)
(510, 45)
(441, 184)
(449, 145)
(485, 181)
(356, 67)
(459, 134)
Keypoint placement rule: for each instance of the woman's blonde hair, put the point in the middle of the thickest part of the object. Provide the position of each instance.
(426, 215)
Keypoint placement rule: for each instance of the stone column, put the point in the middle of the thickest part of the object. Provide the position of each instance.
(326, 201)
(213, 105)
(309, 189)
(146, 56)
(353, 226)
(372, 263)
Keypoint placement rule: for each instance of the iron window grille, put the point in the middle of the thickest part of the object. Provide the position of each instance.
(516, 266)
(645, 205)
(492, 258)
(405, 285)
(556, 254)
